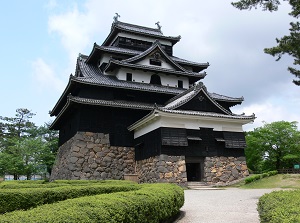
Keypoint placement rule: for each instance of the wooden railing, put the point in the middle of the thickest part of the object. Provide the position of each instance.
(289, 171)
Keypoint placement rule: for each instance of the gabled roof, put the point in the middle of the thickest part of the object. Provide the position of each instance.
(156, 47)
(92, 75)
(117, 63)
(135, 29)
(98, 50)
(163, 112)
(188, 95)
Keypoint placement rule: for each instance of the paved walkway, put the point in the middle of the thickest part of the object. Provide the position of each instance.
(221, 206)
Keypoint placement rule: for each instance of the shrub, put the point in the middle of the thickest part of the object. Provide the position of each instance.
(12, 199)
(151, 203)
(260, 176)
(280, 207)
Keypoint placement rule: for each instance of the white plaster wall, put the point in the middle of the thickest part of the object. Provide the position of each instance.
(104, 59)
(164, 64)
(144, 77)
(217, 125)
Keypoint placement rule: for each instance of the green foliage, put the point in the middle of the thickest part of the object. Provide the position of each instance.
(255, 177)
(280, 207)
(18, 197)
(151, 203)
(26, 149)
(288, 44)
(273, 146)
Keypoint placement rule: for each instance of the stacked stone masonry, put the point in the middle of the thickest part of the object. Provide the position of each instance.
(223, 170)
(89, 156)
(162, 168)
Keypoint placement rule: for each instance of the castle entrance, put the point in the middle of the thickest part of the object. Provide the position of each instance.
(194, 168)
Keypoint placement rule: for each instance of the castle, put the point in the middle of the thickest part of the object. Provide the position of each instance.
(132, 107)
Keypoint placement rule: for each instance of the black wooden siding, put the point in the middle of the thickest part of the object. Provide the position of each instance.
(202, 142)
(107, 120)
(201, 103)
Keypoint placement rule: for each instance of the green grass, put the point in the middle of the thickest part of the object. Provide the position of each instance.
(278, 181)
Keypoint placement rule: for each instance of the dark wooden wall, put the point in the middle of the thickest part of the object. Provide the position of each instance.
(201, 103)
(152, 144)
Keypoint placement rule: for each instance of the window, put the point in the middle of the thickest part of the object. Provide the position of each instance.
(129, 77)
(155, 79)
(234, 140)
(180, 84)
(155, 62)
(174, 137)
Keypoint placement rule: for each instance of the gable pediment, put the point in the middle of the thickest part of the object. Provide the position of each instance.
(196, 99)
(155, 56)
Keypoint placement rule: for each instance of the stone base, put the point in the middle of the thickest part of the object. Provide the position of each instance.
(89, 156)
(162, 168)
(224, 170)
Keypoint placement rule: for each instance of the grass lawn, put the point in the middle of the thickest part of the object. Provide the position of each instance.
(278, 181)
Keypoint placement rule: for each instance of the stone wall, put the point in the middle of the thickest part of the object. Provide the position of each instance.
(162, 168)
(224, 170)
(89, 156)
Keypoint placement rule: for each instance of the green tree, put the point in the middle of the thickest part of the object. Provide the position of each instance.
(289, 44)
(273, 146)
(26, 149)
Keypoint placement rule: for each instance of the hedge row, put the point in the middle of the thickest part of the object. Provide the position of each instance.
(280, 207)
(57, 183)
(12, 199)
(260, 176)
(152, 203)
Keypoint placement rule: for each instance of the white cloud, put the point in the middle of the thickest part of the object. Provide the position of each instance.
(45, 76)
(268, 111)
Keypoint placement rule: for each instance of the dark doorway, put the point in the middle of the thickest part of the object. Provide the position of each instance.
(193, 171)
(194, 168)
(155, 79)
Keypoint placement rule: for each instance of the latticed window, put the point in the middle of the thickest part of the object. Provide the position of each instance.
(234, 140)
(174, 137)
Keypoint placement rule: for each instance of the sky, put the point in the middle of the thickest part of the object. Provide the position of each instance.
(40, 41)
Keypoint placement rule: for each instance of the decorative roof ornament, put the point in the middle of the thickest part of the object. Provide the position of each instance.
(158, 26)
(116, 17)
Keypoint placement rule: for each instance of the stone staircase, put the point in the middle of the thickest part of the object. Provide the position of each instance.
(197, 185)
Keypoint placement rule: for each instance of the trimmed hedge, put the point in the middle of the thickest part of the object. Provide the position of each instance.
(57, 183)
(260, 176)
(12, 199)
(280, 207)
(152, 203)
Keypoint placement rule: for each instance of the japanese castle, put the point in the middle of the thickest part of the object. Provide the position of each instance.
(134, 108)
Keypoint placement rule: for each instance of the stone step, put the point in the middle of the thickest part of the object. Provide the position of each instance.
(200, 186)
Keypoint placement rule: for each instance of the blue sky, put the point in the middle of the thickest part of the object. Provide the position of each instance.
(40, 41)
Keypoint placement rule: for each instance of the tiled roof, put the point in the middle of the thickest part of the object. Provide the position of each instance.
(137, 28)
(130, 52)
(94, 76)
(159, 111)
(115, 103)
(186, 96)
(141, 30)
(220, 97)
(154, 68)
(207, 114)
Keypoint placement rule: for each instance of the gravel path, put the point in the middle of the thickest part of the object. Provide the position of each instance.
(221, 206)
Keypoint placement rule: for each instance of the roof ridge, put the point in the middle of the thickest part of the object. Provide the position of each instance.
(137, 26)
